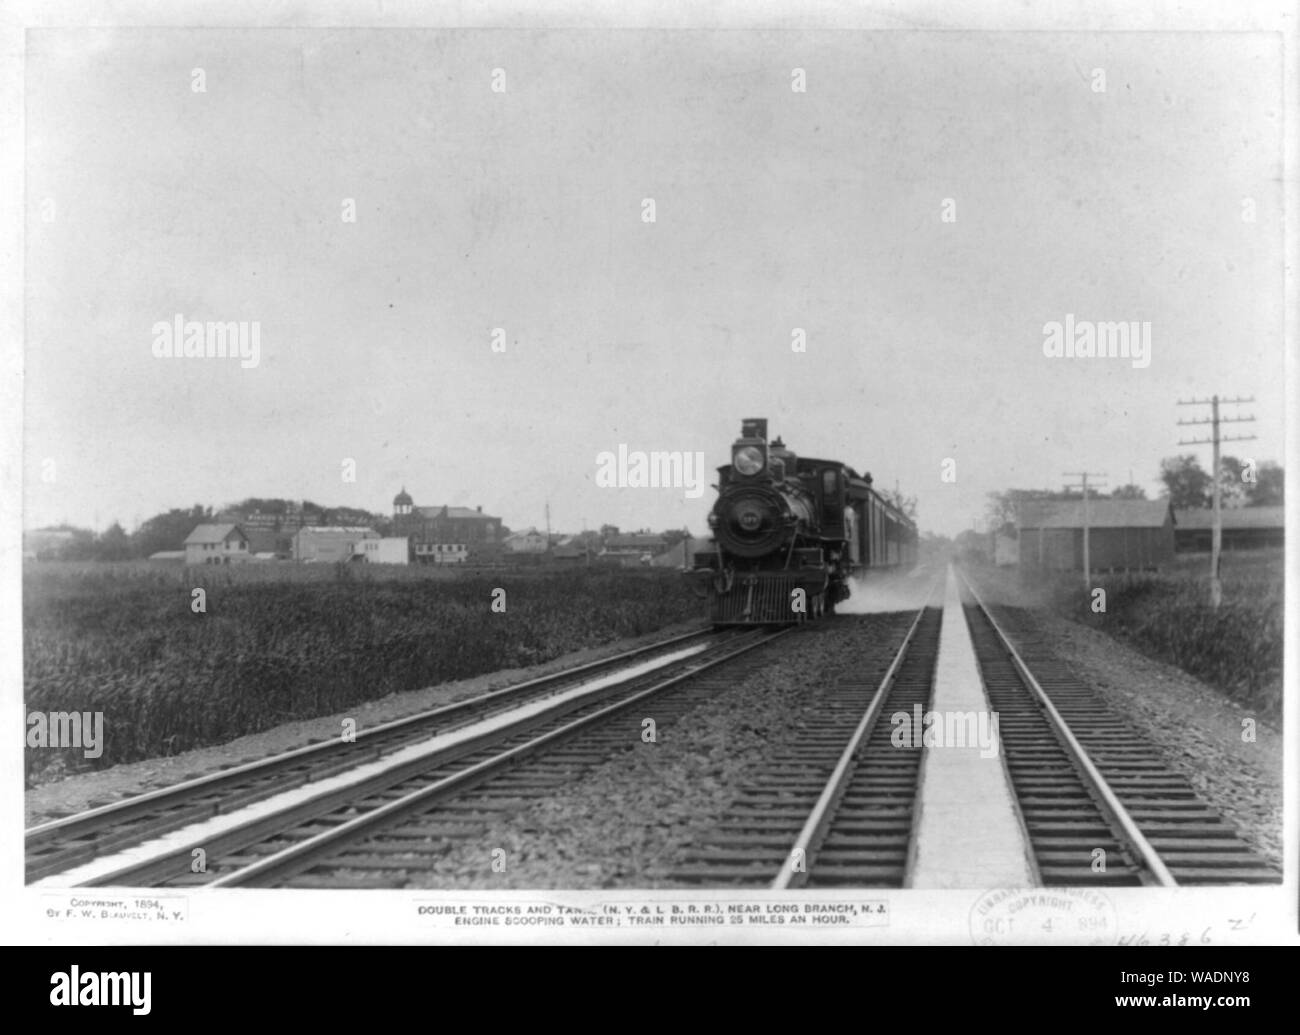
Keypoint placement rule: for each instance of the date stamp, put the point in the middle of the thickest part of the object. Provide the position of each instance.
(1043, 916)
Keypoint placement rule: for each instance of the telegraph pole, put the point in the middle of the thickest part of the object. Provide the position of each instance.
(1083, 476)
(1216, 536)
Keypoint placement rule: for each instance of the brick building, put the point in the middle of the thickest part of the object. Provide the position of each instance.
(470, 532)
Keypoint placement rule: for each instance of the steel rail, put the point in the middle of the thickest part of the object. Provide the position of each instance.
(102, 816)
(819, 820)
(164, 863)
(1110, 802)
(302, 855)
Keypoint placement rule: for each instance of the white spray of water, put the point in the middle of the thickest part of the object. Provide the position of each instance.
(879, 592)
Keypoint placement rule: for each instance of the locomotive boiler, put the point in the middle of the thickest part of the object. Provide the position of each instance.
(789, 532)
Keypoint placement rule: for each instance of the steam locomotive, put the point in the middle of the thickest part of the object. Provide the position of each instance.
(789, 532)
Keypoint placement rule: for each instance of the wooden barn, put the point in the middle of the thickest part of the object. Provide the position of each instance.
(1244, 528)
(1125, 535)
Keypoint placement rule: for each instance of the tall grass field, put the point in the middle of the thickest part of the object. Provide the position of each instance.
(1237, 648)
(286, 642)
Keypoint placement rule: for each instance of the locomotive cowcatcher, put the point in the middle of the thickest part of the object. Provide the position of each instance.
(783, 524)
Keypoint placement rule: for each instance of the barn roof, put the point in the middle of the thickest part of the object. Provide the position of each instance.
(1235, 517)
(1101, 514)
(216, 533)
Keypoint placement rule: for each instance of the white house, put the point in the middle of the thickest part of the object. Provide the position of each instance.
(217, 544)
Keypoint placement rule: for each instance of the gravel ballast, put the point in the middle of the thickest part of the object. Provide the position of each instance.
(629, 821)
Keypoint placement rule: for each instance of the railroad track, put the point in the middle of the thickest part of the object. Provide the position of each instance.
(1097, 803)
(1087, 782)
(279, 842)
(402, 851)
(834, 807)
(60, 844)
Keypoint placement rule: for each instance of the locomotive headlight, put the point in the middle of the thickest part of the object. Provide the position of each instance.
(748, 460)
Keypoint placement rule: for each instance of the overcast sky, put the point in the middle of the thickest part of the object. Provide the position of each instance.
(522, 210)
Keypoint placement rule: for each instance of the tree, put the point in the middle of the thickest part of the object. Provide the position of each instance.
(1003, 508)
(1187, 485)
(896, 499)
(168, 531)
(1232, 490)
(351, 516)
(256, 504)
(1129, 492)
(1268, 488)
(113, 545)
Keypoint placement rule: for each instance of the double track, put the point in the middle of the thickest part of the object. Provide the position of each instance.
(274, 840)
(62, 843)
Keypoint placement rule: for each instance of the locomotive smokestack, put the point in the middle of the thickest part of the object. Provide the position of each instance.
(754, 427)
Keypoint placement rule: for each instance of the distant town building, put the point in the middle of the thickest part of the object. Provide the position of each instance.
(272, 533)
(321, 543)
(218, 543)
(531, 541)
(573, 549)
(389, 550)
(441, 553)
(682, 555)
(632, 550)
(1125, 535)
(1244, 528)
(469, 530)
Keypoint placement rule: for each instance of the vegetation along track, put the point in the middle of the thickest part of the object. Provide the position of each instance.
(62, 843)
(834, 806)
(1085, 780)
(320, 833)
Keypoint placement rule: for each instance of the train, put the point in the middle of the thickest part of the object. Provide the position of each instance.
(790, 532)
